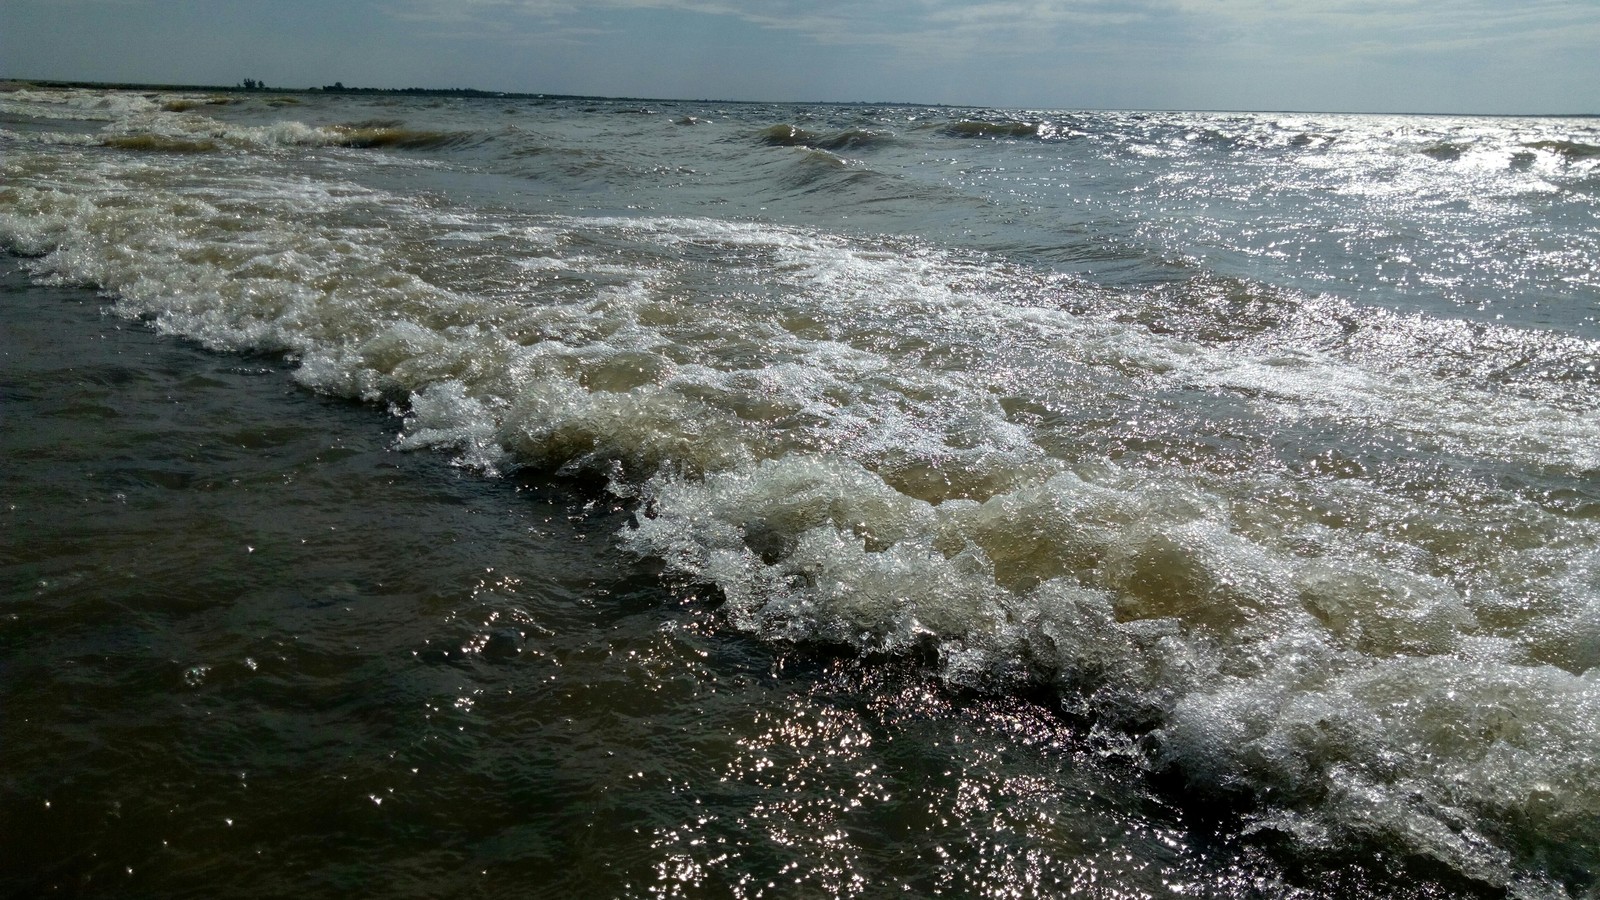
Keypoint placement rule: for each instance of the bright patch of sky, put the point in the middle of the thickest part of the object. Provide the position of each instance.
(1367, 55)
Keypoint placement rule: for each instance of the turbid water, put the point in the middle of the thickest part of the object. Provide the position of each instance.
(418, 497)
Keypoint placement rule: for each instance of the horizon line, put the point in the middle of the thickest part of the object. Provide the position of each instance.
(8, 83)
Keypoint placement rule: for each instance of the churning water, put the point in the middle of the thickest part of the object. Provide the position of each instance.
(811, 500)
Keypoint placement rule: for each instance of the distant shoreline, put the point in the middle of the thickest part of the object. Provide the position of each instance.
(11, 84)
(338, 89)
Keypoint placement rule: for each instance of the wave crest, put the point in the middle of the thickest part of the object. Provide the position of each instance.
(848, 139)
(982, 129)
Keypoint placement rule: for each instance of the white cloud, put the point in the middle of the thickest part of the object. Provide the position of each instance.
(1234, 53)
(996, 26)
(919, 27)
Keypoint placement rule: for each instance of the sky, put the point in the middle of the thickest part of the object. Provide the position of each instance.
(1442, 56)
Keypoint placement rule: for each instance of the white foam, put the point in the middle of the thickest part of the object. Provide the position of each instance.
(108, 106)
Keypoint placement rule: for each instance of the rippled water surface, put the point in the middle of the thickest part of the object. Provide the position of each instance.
(429, 496)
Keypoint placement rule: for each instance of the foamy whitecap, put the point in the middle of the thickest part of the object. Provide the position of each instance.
(77, 105)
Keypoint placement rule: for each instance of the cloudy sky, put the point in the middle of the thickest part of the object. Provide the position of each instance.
(1365, 55)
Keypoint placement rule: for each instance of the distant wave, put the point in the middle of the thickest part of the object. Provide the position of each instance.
(1572, 150)
(848, 139)
(1445, 151)
(970, 128)
(186, 104)
(385, 134)
(192, 133)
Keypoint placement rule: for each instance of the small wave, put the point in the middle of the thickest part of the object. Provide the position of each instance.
(1571, 150)
(1445, 151)
(57, 138)
(196, 134)
(787, 136)
(375, 123)
(970, 128)
(842, 183)
(187, 104)
(159, 143)
(821, 170)
(1312, 141)
(392, 135)
(1220, 139)
(79, 105)
(849, 139)
(856, 139)
(178, 125)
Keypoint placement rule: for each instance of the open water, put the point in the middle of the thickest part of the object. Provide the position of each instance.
(421, 497)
